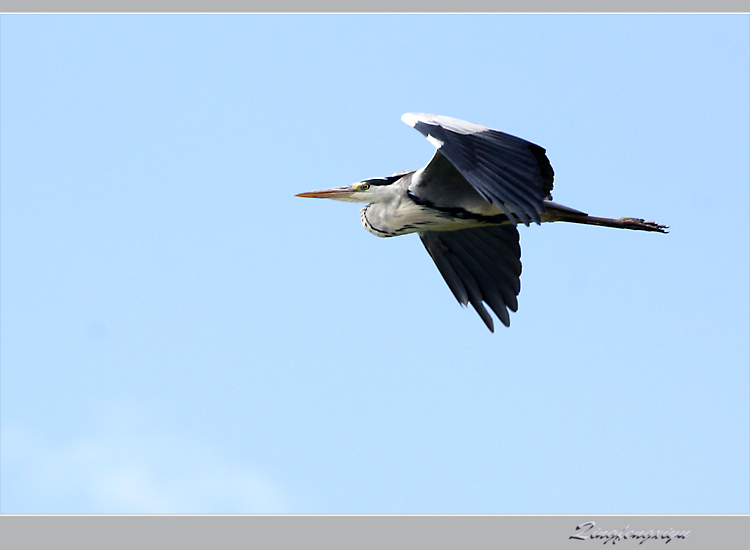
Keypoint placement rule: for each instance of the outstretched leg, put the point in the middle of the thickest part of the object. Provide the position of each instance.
(621, 223)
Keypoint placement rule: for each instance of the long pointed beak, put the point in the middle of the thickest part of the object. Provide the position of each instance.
(340, 193)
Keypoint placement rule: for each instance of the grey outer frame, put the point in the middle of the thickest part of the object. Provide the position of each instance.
(374, 532)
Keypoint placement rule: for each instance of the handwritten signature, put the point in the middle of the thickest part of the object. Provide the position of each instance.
(614, 536)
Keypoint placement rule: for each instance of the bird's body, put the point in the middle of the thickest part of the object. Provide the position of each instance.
(408, 209)
(465, 205)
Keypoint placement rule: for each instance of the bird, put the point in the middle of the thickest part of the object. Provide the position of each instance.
(466, 204)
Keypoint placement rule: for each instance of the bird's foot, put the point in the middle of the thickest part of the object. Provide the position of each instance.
(643, 225)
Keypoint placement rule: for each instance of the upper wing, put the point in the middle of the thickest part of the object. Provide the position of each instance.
(507, 171)
(480, 264)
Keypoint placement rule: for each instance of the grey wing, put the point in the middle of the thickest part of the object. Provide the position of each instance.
(505, 170)
(480, 264)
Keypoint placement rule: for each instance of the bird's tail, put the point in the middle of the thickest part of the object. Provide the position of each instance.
(621, 223)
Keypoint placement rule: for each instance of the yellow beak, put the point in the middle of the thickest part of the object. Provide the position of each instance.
(332, 193)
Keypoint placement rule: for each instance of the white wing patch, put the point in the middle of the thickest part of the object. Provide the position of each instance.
(449, 123)
(436, 142)
(411, 119)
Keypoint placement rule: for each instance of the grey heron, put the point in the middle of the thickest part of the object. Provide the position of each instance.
(465, 205)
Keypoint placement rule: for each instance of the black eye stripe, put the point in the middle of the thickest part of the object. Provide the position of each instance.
(383, 181)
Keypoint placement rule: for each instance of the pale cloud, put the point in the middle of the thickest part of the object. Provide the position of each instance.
(126, 467)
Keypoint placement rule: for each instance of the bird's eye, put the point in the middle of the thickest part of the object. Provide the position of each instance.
(364, 187)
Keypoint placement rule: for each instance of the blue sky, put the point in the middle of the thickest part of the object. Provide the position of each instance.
(181, 334)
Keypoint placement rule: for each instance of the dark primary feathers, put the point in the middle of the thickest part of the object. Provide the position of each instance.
(505, 170)
(482, 264)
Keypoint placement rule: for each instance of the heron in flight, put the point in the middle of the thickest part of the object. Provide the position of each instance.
(465, 205)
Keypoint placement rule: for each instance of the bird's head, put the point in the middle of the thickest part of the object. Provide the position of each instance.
(371, 190)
